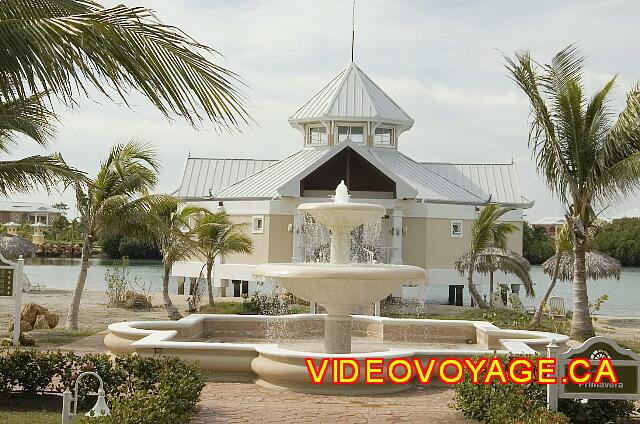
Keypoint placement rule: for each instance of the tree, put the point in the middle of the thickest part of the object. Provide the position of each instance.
(61, 206)
(217, 235)
(107, 203)
(537, 246)
(620, 240)
(488, 251)
(167, 225)
(586, 157)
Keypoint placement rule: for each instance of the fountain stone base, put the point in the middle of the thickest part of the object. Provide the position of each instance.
(337, 334)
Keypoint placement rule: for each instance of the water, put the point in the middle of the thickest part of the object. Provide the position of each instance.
(624, 295)
(62, 273)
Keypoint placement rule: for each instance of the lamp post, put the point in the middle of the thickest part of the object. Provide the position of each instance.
(99, 410)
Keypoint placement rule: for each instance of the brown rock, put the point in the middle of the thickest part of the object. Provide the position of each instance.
(25, 326)
(27, 340)
(41, 323)
(30, 312)
(53, 320)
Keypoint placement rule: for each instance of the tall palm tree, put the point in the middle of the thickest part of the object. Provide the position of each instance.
(167, 226)
(489, 243)
(586, 157)
(65, 48)
(217, 235)
(107, 203)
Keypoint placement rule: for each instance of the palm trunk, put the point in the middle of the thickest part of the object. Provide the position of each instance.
(543, 302)
(472, 288)
(581, 325)
(172, 311)
(209, 285)
(74, 308)
(490, 288)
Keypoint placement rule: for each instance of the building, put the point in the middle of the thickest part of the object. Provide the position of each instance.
(550, 224)
(350, 130)
(27, 212)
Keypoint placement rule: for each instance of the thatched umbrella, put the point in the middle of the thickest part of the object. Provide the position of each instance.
(597, 266)
(493, 259)
(11, 247)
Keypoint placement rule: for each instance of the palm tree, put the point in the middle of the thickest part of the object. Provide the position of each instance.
(493, 259)
(217, 235)
(167, 226)
(586, 157)
(489, 245)
(62, 49)
(107, 203)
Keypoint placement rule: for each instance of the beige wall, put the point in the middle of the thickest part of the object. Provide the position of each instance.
(428, 242)
(275, 244)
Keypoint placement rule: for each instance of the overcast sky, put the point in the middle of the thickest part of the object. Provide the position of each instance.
(440, 61)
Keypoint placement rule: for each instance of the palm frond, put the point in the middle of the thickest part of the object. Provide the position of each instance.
(65, 47)
(24, 175)
(28, 117)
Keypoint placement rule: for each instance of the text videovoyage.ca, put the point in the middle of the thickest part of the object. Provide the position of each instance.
(518, 370)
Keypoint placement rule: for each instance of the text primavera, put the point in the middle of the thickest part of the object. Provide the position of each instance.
(520, 370)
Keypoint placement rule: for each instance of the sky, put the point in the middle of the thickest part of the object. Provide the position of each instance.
(440, 61)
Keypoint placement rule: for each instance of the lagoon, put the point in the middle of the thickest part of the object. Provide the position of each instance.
(61, 273)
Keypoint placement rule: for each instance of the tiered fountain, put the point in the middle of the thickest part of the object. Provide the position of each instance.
(341, 286)
(241, 347)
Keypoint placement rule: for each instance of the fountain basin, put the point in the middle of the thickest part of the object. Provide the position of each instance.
(242, 347)
(341, 288)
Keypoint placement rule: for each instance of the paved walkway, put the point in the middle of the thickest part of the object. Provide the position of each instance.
(248, 403)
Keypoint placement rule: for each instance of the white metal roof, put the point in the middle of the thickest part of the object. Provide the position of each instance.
(352, 95)
(550, 220)
(631, 213)
(203, 177)
(499, 181)
(26, 207)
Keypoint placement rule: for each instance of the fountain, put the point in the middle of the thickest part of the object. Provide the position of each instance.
(242, 347)
(340, 286)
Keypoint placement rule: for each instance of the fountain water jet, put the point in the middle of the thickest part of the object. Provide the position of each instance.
(341, 286)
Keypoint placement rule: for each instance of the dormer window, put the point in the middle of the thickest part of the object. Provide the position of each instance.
(383, 136)
(353, 132)
(318, 136)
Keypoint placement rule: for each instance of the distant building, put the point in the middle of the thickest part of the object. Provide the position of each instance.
(350, 131)
(30, 212)
(550, 224)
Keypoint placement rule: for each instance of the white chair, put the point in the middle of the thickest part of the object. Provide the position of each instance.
(517, 305)
(556, 307)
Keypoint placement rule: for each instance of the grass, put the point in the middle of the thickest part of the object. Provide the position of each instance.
(38, 417)
(51, 339)
(634, 345)
(222, 308)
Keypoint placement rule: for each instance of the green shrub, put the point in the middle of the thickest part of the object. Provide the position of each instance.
(537, 246)
(497, 403)
(619, 240)
(140, 390)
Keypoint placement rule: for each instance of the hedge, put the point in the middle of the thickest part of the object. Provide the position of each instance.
(497, 403)
(140, 390)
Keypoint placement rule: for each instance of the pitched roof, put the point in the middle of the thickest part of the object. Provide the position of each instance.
(498, 181)
(203, 177)
(351, 95)
(26, 207)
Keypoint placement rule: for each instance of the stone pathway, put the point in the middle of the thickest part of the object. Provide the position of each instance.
(249, 403)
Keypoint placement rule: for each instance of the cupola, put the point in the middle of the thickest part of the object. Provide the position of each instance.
(352, 107)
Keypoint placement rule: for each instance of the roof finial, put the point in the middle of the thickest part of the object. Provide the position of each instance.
(353, 27)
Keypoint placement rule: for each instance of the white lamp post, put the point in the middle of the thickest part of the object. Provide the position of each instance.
(99, 410)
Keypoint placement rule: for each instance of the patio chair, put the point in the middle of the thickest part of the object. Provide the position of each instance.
(556, 307)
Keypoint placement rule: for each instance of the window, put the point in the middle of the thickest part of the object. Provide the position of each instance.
(383, 136)
(258, 224)
(317, 136)
(353, 132)
(456, 228)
